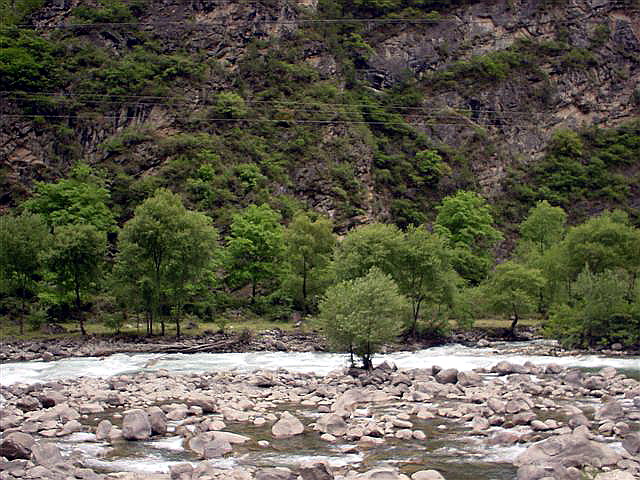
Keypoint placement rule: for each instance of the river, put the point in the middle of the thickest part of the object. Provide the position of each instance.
(448, 446)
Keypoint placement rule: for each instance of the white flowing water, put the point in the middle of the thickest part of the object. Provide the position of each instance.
(450, 356)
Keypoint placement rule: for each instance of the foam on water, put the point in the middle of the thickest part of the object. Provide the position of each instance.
(449, 356)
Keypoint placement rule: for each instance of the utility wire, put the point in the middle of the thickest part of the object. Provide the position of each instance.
(183, 101)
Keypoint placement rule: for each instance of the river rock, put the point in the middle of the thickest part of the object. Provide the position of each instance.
(615, 475)
(17, 445)
(207, 403)
(383, 473)
(468, 379)
(507, 368)
(181, 471)
(157, 420)
(232, 438)
(103, 429)
(427, 475)
(216, 448)
(449, 375)
(51, 398)
(275, 474)
(45, 454)
(567, 450)
(287, 426)
(28, 403)
(611, 410)
(631, 443)
(315, 471)
(135, 425)
(72, 426)
(332, 424)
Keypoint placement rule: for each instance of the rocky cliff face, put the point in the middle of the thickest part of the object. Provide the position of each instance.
(491, 81)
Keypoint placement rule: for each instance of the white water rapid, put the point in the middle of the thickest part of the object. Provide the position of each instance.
(450, 356)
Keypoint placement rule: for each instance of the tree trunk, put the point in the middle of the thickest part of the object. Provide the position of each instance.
(79, 310)
(514, 322)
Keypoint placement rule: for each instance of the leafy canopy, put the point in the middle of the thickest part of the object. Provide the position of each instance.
(80, 198)
(360, 315)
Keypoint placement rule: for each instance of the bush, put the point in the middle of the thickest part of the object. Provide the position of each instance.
(361, 315)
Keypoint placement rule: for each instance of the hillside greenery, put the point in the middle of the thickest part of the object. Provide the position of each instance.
(220, 205)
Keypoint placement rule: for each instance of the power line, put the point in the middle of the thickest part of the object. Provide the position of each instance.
(183, 101)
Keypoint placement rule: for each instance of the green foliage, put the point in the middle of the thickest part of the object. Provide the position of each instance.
(513, 290)
(110, 11)
(465, 219)
(23, 240)
(308, 249)
(80, 198)
(230, 105)
(581, 168)
(361, 315)
(254, 248)
(13, 12)
(75, 259)
(368, 246)
(165, 251)
(431, 167)
(602, 313)
(27, 61)
(543, 227)
(425, 276)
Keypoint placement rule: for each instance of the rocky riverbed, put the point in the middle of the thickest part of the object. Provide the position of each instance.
(386, 424)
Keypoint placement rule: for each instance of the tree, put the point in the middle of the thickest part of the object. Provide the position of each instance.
(543, 227)
(23, 239)
(604, 242)
(423, 273)
(309, 246)
(255, 247)
(368, 246)
(601, 311)
(360, 315)
(541, 233)
(74, 260)
(513, 290)
(162, 250)
(465, 219)
(80, 198)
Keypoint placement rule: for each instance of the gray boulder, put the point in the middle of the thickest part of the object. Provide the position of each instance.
(17, 445)
(315, 471)
(135, 425)
(332, 424)
(427, 475)
(570, 450)
(45, 454)
(157, 420)
(448, 375)
(275, 474)
(631, 443)
(216, 448)
(103, 429)
(287, 426)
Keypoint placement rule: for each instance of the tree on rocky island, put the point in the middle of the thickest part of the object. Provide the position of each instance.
(360, 315)
(163, 249)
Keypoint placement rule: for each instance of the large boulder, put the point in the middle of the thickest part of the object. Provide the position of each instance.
(287, 426)
(275, 474)
(448, 375)
(103, 429)
(427, 475)
(332, 424)
(315, 471)
(135, 425)
(45, 454)
(631, 443)
(383, 473)
(17, 445)
(157, 420)
(564, 451)
(216, 448)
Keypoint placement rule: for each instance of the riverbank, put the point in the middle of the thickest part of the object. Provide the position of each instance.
(275, 340)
